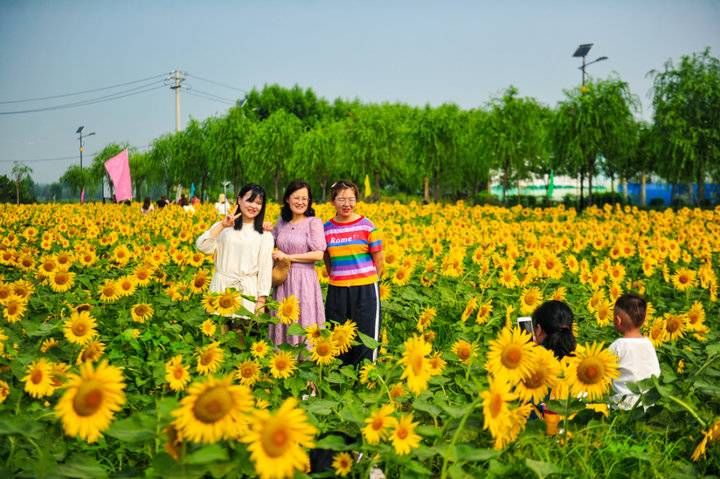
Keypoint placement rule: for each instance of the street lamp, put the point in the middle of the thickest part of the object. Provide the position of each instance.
(582, 51)
(82, 148)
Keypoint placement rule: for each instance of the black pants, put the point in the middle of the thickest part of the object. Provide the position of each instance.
(362, 305)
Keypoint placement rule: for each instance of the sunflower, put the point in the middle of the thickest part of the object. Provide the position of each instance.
(343, 335)
(401, 276)
(282, 365)
(259, 349)
(141, 312)
(323, 351)
(417, 368)
(200, 282)
(463, 350)
(313, 333)
(507, 278)
(92, 397)
(470, 307)
(437, 364)
(711, 435)
(248, 372)
(377, 426)
(126, 285)
(511, 354)
(208, 327)
(6, 290)
(22, 289)
(658, 333)
(426, 317)
(385, 291)
(288, 311)
(496, 413)
(696, 316)
(4, 391)
(603, 313)
(684, 279)
(483, 312)
(404, 438)
(675, 325)
(14, 309)
(45, 346)
(210, 303)
(213, 410)
(518, 419)
(38, 380)
(87, 257)
(559, 294)
(92, 352)
(365, 371)
(80, 328)
(196, 259)
(530, 299)
(542, 378)
(209, 358)
(342, 463)
(228, 302)
(109, 291)
(176, 374)
(592, 370)
(276, 441)
(397, 390)
(61, 280)
(120, 255)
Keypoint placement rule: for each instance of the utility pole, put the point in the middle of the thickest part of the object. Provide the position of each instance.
(82, 148)
(177, 78)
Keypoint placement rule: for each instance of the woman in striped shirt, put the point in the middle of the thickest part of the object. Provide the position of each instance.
(354, 262)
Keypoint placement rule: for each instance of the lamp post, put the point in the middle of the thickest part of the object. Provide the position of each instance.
(82, 148)
(582, 51)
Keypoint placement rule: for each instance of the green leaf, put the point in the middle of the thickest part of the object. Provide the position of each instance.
(541, 468)
(23, 426)
(81, 466)
(42, 329)
(137, 428)
(426, 430)
(471, 454)
(369, 342)
(295, 330)
(207, 454)
(321, 407)
(422, 405)
(334, 443)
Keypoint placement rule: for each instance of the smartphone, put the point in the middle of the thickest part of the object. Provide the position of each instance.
(525, 322)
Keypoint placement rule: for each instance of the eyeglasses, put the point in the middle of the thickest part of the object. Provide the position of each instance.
(345, 201)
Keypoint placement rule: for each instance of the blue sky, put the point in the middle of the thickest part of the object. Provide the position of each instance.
(415, 52)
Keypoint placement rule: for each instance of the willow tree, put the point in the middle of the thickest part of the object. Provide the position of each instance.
(315, 156)
(434, 139)
(591, 122)
(686, 99)
(269, 149)
(226, 138)
(516, 136)
(19, 172)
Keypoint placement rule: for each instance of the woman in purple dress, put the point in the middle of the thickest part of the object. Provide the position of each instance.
(299, 236)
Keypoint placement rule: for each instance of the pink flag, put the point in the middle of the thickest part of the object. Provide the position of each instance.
(82, 196)
(118, 169)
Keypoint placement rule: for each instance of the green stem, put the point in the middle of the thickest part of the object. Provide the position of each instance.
(461, 426)
(709, 361)
(688, 409)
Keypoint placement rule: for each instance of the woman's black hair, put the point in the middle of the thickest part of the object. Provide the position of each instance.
(285, 212)
(556, 320)
(257, 190)
(146, 203)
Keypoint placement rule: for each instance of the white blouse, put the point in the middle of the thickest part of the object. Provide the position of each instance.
(243, 261)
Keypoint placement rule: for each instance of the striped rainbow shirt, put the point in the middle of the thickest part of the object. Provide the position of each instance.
(349, 246)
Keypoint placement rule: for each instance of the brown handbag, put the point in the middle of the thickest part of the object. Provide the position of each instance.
(280, 270)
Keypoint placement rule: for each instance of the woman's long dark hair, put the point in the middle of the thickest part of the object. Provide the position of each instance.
(556, 320)
(257, 190)
(285, 212)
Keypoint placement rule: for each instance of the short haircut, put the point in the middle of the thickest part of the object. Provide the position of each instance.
(634, 306)
(338, 186)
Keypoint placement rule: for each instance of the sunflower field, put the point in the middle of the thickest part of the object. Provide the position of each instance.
(116, 361)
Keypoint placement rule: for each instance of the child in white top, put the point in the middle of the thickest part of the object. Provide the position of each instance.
(635, 352)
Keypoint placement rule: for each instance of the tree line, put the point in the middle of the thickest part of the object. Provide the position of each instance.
(277, 134)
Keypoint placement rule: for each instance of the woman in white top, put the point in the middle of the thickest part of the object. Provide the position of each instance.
(243, 251)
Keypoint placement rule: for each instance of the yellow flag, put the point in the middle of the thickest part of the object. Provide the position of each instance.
(368, 190)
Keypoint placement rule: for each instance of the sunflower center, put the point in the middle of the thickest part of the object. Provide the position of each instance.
(416, 362)
(213, 405)
(199, 282)
(323, 349)
(225, 302)
(141, 310)
(275, 438)
(281, 364)
(88, 398)
(247, 372)
(178, 372)
(535, 380)
(511, 357)
(496, 404)
(590, 371)
(37, 376)
(463, 353)
(79, 329)
(402, 433)
(108, 291)
(61, 279)
(207, 357)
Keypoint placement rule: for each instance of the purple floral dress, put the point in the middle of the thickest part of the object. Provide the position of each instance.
(302, 281)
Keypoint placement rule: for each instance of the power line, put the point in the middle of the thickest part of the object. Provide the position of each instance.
(207, 98)
(82, 92)
(91, 101)
(215, 83)
(65, 158)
